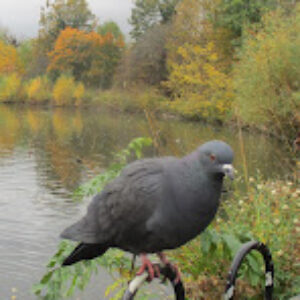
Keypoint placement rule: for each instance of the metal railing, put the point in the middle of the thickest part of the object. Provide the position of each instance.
(178, 287)
(237, 261)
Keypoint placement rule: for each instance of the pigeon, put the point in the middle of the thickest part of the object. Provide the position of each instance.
(155, 204)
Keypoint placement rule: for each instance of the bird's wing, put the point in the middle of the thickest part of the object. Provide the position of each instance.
(125, 203)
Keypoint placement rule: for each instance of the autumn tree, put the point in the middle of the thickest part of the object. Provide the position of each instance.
(197, 81)
(88, 56)
(60, 14)
(56, 16)
(9, 59)
(145, 61)
(148, 13)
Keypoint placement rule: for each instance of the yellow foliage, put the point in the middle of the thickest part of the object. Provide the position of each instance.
(79, 93)
(266, 79)
(199, 88)
(9, 59)
(63, 90)
(10, 88)
(38, 89)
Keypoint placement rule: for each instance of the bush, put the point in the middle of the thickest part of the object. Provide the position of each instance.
(266, 79)
(79, 93)
(10, 88)
(67, 92)
(200, 89)
(38, 90)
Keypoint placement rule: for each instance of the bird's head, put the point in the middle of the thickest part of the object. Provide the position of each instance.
(217, 157)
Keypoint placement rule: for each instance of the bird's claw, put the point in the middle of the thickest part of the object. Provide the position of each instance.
(152, 269)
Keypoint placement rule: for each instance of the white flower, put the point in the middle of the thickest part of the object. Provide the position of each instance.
(273, 192)
(276, 221)
(251, 179)
(280, 252)
(259, 186)
(285, 207)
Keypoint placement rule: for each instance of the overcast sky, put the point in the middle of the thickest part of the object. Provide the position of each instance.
(21, 17)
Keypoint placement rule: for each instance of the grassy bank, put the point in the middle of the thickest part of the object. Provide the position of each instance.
(267, 212)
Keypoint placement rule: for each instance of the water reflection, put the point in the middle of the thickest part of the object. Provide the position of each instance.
(46, 153)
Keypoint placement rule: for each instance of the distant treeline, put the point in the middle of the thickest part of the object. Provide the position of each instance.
(207, 59)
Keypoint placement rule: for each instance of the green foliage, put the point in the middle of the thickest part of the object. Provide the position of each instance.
(266, 79)
(236, 15)
(148, 13)
(110, 27)
(267, 213)
(58, 282)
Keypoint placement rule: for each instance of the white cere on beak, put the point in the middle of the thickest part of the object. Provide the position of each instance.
(229, 170)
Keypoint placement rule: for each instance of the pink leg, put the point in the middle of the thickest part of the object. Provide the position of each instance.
(147, 265)
(165, 261)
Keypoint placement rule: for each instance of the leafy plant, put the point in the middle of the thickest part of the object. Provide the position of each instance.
(38, 89)
(10, 88)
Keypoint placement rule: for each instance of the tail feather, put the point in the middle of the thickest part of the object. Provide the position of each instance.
(84, 252)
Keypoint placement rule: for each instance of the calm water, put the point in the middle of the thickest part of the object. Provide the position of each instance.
(45, 154)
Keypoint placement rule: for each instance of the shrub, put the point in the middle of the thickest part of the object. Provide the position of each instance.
(266, 79)
(78, 94)
(38, 90)
(67, 92)
(10, 88)
(200, 89)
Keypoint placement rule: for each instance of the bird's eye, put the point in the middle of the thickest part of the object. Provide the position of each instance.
(212, 157)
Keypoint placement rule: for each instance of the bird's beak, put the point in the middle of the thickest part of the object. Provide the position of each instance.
(228, 170)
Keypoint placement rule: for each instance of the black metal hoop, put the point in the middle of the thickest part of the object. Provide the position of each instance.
(269, 269)
(166, 271)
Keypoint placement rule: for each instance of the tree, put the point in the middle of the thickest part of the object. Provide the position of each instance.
(110, 27)
(54, 18)
(145, 61)
(88, 56)
(236, 15)
(148, 13)
(61, 14)
(266, 79)
(197, 79)
(10, 61)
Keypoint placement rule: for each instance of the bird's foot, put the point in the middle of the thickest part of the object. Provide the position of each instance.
(153, 270)
(166, 262)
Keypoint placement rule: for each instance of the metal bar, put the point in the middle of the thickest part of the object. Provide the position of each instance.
(269, 269)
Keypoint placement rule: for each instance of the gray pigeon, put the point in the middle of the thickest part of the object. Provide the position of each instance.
(154, 204)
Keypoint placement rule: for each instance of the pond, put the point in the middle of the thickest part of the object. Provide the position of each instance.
(46, 153)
